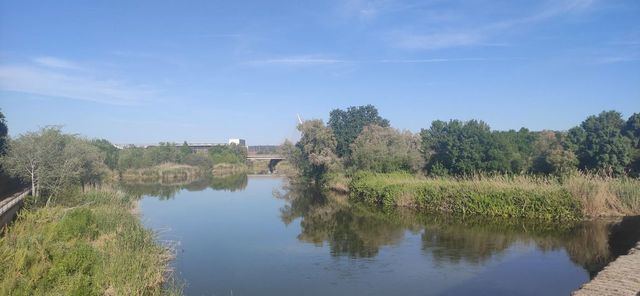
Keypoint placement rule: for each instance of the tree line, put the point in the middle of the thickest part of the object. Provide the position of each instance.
(358, 138)
(52, 161)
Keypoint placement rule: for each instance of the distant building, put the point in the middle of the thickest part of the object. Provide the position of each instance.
(239, 142)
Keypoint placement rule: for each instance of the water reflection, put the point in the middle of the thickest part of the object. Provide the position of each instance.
(360, 231)
(168, 189)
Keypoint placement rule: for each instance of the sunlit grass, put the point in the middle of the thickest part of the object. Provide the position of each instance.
(97, 247)
(570, 198)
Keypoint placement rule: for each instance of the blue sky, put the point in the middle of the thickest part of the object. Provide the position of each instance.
(149, 71)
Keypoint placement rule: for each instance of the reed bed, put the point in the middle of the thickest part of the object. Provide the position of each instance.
(573, 197)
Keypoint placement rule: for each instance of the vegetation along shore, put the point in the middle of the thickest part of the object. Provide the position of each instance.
(465, 168)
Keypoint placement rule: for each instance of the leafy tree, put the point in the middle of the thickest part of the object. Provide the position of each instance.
(518, 147)
(131, 158)
(347, 125)
(460, 148)
(3, 134)
(185, 151)
(600, 145)
(385, 149)
(631, 129)
(551, 155)
(110, 152)
(232, 154)
(51, 161)
(315, 153)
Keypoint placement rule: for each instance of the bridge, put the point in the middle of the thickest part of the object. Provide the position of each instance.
(273, 159)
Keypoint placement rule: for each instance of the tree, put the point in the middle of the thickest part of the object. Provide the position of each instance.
(3, 134)
(232, 154)
(110, 152)
(347, 125)
(600, 145)
(461, 148)
(51, 161)
(551, 156)
(315, 153)
(385, 149)
(631, 130)
(185, 151)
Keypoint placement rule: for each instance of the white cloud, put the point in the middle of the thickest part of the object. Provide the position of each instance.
(480, 34)
(52, 62)
(297, 61)
(437, 40)
(55, 82)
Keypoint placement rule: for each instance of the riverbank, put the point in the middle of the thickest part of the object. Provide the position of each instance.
(574, 198)
(87, 244)
(164, 173)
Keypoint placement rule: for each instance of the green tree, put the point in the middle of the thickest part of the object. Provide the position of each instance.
(232, 154)
(631, 130)
(131, 158)
(315, 153)
(51, 161)
(347, 125)
(3, 134)
(109, 151)
(600, 145)
(185, 151)
(461, 148)
(385, 149)
(551, 155)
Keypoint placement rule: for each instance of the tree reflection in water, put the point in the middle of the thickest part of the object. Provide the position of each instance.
(357, 230)
(168, 190)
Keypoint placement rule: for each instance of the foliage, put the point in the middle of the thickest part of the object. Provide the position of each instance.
(94, 246)
(600, 144)
(347, 125)
(231, 154)
(52, 161)
(631, 129)
(551, 156)
(384, 149)
(463, 148)
(3, 134)
(315, 153)
(110, 152)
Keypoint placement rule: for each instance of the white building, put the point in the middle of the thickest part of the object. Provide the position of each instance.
(239, 142)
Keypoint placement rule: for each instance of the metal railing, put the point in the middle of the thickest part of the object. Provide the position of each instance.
(8, 203)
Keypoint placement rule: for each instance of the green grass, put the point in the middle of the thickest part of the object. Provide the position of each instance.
(96, 247)
(572, 198)
(484, 197)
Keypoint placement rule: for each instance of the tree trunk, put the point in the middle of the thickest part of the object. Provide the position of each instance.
(33, 186)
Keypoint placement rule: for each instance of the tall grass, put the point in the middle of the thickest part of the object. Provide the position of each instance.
(96, 247)
(572, 198)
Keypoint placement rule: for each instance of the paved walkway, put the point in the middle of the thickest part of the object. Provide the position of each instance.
(620, 277)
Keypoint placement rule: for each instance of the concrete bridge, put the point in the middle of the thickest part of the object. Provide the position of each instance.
(273, 159)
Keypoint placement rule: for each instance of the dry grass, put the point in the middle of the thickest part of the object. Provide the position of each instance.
(573, 197)
(167, 173)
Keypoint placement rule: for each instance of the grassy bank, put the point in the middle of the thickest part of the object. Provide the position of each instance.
(528, 197)
(164, 173)
(88, 244)
(222, 169)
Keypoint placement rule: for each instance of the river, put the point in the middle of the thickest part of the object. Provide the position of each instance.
(258, 235)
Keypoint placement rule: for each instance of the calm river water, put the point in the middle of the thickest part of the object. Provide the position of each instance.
(242, 235)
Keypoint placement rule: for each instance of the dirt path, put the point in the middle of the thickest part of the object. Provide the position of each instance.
(620, 277)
